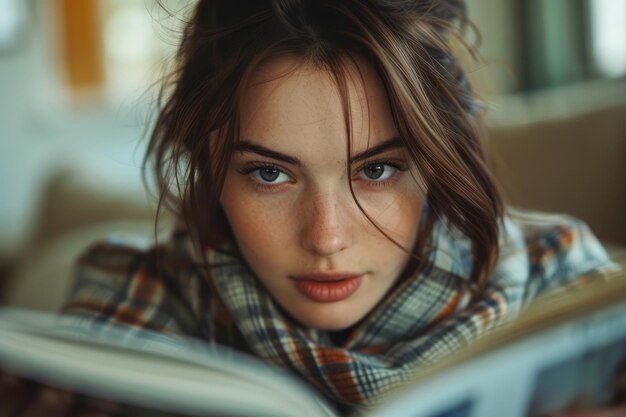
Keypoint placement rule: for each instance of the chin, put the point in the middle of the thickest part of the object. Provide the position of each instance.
(322, 319)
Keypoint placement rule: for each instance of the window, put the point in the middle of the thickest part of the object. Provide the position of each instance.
(11, 23)
(138, 37)
(117, 47)
(568, 41)
(608, 37)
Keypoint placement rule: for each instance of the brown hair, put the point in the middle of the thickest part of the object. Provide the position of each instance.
(408, 42)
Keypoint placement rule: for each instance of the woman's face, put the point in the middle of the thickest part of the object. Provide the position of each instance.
(288, 200)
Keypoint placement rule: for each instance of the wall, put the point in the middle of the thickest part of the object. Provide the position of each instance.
(43, 130)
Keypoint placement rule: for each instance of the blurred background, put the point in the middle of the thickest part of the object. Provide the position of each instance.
(77, 95)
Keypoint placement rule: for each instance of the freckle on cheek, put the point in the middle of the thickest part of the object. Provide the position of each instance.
(254, 227)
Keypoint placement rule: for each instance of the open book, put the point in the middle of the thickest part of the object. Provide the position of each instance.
(567, 349)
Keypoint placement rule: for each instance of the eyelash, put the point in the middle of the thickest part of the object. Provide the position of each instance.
(262, 165)
(398, 165)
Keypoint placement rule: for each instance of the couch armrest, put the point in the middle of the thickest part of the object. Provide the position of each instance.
(574, 165)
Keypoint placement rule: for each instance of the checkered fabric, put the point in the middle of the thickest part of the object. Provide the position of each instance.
(425, 318)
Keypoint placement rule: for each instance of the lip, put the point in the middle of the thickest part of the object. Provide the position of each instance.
(327, 287)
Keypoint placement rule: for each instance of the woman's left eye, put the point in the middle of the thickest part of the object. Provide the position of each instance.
(377, 171)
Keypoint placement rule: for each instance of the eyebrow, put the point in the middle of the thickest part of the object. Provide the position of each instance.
(247, 146)
(391, 143)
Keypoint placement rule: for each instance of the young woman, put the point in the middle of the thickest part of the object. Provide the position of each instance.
(337, 216)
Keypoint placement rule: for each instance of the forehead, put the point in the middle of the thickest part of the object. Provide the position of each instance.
(289, 102)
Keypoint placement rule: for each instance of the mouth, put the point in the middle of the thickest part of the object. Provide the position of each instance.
(327, 288)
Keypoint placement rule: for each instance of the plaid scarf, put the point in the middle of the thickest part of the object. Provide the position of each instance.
(425, 318)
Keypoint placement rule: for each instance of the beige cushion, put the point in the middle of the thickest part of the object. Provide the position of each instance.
(574, 165)
(42, 278)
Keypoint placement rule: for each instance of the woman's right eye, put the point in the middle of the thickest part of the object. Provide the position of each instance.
(269, 175)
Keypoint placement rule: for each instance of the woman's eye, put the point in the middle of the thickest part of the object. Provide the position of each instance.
(270, 175)
(377, 172)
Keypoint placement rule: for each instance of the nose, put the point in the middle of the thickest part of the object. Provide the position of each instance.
(326, 224)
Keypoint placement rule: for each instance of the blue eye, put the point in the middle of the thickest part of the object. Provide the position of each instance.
(377, 171)
(269, 175)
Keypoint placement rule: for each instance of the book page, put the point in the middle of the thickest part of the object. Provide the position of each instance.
(148, 370)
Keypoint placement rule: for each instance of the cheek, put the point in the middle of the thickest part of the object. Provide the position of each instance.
(258, 228)
(397, 213)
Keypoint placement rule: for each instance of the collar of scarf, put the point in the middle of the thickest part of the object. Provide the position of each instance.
(422, 320)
